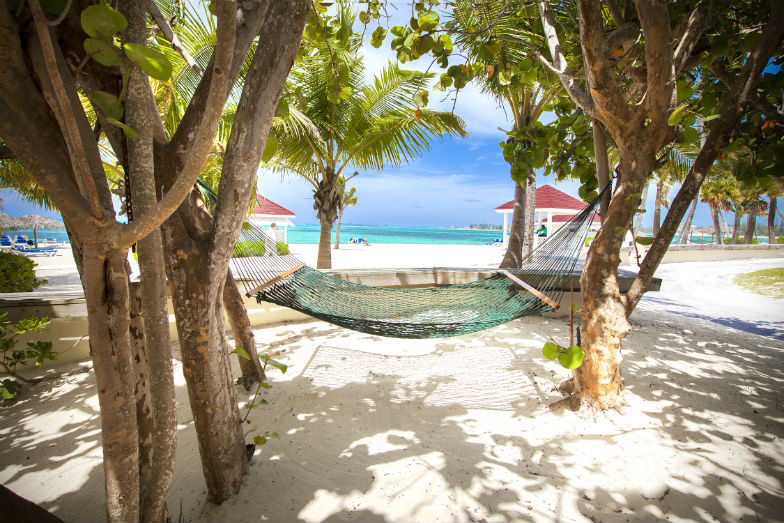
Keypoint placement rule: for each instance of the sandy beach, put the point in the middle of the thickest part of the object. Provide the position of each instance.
(459, 429)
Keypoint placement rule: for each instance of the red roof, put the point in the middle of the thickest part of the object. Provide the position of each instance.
(267, 206)
(548, 197)
(563, 218)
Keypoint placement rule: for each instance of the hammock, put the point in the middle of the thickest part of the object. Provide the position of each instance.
(439, 311)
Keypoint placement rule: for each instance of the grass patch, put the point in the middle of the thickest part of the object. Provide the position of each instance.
(767, 282)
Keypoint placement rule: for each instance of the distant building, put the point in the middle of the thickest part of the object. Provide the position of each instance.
(553, 209)
(268, 213)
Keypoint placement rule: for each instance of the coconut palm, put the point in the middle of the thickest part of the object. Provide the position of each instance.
(351, 124)
(719, 190)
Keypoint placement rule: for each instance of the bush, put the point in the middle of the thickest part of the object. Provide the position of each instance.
(17, 273)
(11, 357)
(780, 239)
(245, 249)
(739, 241)
(282, 249)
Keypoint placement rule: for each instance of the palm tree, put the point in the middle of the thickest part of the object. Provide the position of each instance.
(525, 94)
(719, 190)
(350, 124)
(348, 198)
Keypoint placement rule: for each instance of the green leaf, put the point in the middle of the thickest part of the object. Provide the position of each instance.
(102, 52)
(273, 435)
(259, 440)
(282, 366)
(345, 93)
(378, 36)
(152, 61)
(102, 20)
(446, 41)
(127, 130)
(421, 98)
(550, 350)
(270, 149)
(572, 357)
(364, 17)
(711, 117)
(505, 77)
(241, 352)
(428, 21)
(677, 115)
(111, 106)
(333, 94)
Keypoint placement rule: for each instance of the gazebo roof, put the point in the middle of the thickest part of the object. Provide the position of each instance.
(549, 200)
(266, 207)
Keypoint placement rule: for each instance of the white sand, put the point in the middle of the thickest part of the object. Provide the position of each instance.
(376, 429)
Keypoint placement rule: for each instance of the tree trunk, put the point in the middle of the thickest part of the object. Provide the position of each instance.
(735, 225)
(205, 363)
(751, 225)
(529, 214)
(602, 164)
(337, 231)
(714, 210)
(658, 202)
(243, 332)
(324, 260)
(685, 232)
(638, 220)
(108, 311)
(514, 250)
(772, 221)
(157, 411)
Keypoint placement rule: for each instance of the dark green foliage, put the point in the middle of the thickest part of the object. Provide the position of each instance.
(644, 240)
(780, 239)
(739, 241)
(17, 273)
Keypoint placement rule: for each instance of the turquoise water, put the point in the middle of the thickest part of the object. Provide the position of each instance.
(310, 234)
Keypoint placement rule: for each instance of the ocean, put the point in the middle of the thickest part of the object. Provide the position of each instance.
(310, 234)
(418, 235)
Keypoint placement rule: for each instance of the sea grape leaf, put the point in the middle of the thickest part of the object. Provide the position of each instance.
(572, 357)
(152, 61)
(102, 52)
(111, 106)
(102, 20)
(550, 350)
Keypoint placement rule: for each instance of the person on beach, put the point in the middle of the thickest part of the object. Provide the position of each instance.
(541, 231)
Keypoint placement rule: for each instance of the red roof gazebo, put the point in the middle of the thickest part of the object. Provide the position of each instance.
(556, 205)
(268, 212)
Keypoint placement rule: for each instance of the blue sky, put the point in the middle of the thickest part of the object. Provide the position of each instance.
(458, 182)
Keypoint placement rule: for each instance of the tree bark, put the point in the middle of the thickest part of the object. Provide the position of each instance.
(514, 250)
(243, 332)
(751, 225)
(716, 225)
(735, 225)
(324, 259)
(686, 229)
(772, 221)
(658, 202)
(602, 164)
(337, 230)
(158, 436)
(529, 214)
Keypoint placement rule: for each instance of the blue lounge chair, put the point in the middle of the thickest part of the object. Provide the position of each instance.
(31, 251)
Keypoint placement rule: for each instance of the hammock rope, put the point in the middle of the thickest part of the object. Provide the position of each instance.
(439, 311)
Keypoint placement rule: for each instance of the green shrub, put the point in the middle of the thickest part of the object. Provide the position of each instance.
(11, 357)
(282, 249)
(644, 240)
(780, 239)
(17, 273)
(739, 241)
(245, 249)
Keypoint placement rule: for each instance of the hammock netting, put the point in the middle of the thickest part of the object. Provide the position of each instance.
(439, 311)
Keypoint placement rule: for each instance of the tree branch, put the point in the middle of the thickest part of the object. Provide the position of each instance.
(205, 133)
(694, 29)
(169, 35)
(560, 66)
(660, 80)
(615, 12)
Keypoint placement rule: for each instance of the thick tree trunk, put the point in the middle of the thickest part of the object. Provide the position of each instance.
(735, 225)
(602, 164)
(683, 236)
(772, 221)
(205, 361)
(324, 259)
(529, 214)
(337, 230)
(108, 310)
(514, 249)
(751, 225)
(243, 332)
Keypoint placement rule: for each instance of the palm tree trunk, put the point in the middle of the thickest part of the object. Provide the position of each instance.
(683, 237)
(657, 207)
(324, 260)
(528, 215)
(772, 222)
(723, 222)
(514, 250)
(337, 231)
(735, 226)
(751, 224)
(716, 227)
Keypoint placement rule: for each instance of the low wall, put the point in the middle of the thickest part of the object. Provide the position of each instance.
(705, 252)
(68, 312)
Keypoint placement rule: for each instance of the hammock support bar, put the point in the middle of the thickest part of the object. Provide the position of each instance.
(266, 284)
(530, 289)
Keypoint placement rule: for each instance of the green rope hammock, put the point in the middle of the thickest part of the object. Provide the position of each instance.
(439, 311)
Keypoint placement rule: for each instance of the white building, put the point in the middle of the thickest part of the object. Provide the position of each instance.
(268, 213)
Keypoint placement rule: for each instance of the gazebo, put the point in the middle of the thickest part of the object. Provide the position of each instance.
(269, 213)
(553, 209)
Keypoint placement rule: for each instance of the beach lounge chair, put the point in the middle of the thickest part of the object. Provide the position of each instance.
(6, 245)
(31, 251)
